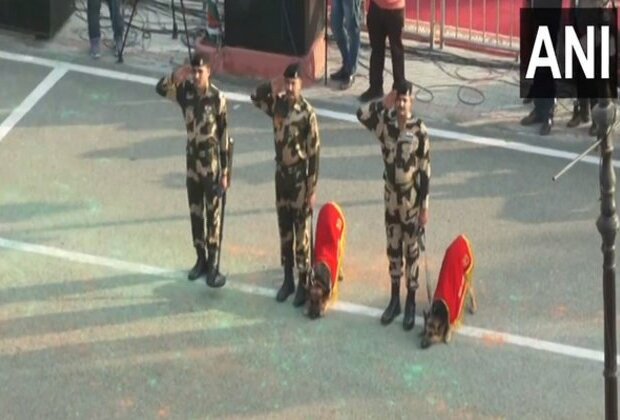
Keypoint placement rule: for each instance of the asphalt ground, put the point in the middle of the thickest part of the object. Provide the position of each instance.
(98, 321)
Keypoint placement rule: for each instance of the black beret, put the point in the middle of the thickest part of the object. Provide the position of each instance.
(404, 88)
(292, 71)
(198, 61)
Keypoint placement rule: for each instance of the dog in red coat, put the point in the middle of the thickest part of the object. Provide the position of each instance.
(328, 257)
(455, 284)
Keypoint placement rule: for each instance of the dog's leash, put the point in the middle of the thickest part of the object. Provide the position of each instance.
(422, 245)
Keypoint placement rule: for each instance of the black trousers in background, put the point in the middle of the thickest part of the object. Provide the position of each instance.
(543, 80)
(384, 23)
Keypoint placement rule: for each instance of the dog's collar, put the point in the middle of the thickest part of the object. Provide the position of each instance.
(325, 286)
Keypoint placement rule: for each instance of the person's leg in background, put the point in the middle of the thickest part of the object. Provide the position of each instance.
(94, 29)
(117, 24)
(544, 85)
(545, 108)
(337, 23)
(352, 15)
(395, 21)
(377, 34)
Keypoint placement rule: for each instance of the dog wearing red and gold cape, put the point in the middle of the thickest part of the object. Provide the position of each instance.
(328, 257)
(455, 284)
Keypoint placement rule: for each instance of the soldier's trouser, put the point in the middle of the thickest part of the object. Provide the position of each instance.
(293, 218)
(401, 226)
(201, 193)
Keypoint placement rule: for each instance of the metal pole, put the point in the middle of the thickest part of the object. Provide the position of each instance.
(604, 116)
(432, 42)
(133, 13)
(175, 28)
(326, 43)
(189, 50)
(577, 159)
(442, 26)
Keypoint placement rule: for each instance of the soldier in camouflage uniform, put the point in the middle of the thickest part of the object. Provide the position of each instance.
(406, 156)
(297, 146)
(204, 110)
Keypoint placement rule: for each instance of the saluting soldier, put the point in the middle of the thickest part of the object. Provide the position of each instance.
(407, 169)
(204, 111)
(297, 147)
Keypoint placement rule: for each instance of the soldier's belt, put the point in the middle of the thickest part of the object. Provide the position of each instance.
(292, 169)
(399, 187)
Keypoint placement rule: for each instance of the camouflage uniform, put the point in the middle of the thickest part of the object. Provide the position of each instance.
(207, 155)
(406, 156)
(297, 146)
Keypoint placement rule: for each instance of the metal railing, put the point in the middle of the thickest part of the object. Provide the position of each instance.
(483, 23)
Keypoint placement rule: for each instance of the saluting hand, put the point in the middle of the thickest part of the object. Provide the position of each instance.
(390, 99)
(277, 85)
(182, 74)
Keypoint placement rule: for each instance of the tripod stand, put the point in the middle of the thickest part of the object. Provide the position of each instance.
(174, 30)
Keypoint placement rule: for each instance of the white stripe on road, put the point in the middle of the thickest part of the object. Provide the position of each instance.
(31, 100)
(340, 116)
(486, 335)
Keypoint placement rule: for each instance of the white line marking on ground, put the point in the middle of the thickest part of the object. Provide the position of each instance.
(347, 307)
(31, 100)
(340, 116)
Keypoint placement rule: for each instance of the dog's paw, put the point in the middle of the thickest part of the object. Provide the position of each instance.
(472, 306)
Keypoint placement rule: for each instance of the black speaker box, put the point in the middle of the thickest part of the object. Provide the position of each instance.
(42, 18)
(287, 27)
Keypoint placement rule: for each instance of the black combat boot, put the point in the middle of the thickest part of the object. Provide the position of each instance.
(393, 309)
(581, 113)
(409, 319)
(200, 267)
(288, 286)
(214, 278)
(300, 296)
(545, 128)
(585, 112)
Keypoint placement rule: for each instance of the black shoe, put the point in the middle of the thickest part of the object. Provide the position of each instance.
(214, 278)
(300, 296)
(585, 113)
(200, 267)
(338, 76)
(347, 81)
(531, 119)
(393, 309)
(409, 319)
(288, 286)
(371, 94)
(545, 129)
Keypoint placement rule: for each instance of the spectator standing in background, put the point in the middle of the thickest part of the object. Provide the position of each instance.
(94, 28)
(345, 19)
(385, 19)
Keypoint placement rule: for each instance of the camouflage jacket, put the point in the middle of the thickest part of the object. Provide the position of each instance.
(206, 121)
(296, 135)
(406, 153)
